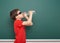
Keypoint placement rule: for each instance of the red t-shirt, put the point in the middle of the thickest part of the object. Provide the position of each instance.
(19, 30)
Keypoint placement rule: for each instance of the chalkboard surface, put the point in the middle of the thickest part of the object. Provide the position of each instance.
(46, 20)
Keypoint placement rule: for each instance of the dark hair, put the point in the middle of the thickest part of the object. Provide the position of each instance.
(13, 13)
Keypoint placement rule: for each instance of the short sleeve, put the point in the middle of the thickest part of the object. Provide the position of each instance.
(19, 23)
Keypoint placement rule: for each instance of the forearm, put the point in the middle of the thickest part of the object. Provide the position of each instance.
(30, 18)
(26, 17)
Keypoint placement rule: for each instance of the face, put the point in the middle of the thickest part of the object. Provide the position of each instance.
(20, 15)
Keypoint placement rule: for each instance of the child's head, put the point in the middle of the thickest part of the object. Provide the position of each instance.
(16, 14)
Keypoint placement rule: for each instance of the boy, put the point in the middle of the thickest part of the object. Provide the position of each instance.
(19, 25)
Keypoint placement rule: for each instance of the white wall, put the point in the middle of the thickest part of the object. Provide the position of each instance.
(32, 41)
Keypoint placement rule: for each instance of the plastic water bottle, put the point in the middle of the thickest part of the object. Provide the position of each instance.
(34, 12)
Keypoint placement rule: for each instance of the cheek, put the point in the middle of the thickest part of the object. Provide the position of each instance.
(21, 16)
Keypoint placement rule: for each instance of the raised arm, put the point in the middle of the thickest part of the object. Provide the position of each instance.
(29, 19)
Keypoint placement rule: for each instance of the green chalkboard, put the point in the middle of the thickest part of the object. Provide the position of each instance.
(46, 20)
